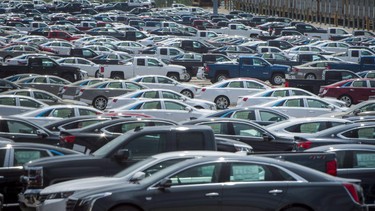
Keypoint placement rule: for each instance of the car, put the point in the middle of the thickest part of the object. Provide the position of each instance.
(49, 114)
(97, 94)
(91, 138)
(71, 90)
(132, 46)
(302, 126)
(15, 78)
(303, 106)
(106, 31)
(351, 91)
(116, 58)
(15, 104)
(115, 102)
(163, 108)
(253, 134)
(163, 82)
(149, 166)
(6, 85)
(260, 115)
(48, 83)
(13, 155)
(356, 133)
(364, 108)
(22, 59)
(43, 96)
(57, 47)
(354, 161)
(92, 69)
(224, 93)
(311, 70)
(240, 181)
(335, 46)
(367, 74)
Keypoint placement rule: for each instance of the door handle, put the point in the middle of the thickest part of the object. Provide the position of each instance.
(275, 191)
(212, 194)
(311, 111)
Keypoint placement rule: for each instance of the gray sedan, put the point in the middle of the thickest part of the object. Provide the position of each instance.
(48, 83)
(13, 104)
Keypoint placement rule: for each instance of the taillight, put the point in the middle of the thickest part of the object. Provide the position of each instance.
(245, 99)
(68, 139)
(206, 69)
(328, 67)
(295, 70)
(203, 89)
(352, 192)
(331, 167)
(304, 145)
(286, 84)
(114, 100)
(101, 69)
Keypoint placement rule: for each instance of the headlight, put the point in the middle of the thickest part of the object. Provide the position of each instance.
(61, 195)
(88, 201)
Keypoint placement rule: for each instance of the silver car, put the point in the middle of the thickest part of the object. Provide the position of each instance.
(48, 83)
(14, 104)
(71, 90)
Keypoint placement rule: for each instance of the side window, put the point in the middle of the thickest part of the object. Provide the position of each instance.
(193, 141)
(165, 80)
(151, 94)
(164, 51)
(311, 127)
(29, 103)
(359, 84)
(152, 105)
(10, 101)
(363, 159)
(246, 130)
(20, 127)
(2, 157)
(115, 85)
(124, 127)
(269, 116)
(235, 84)
(250, 84)
(63, 112)
(86, 112)
(141, 62)
(147, 145)
(299, 93)
(171, 95)
(41, 80)
(43, 96)
(22, 156)
(174, 106)
(355, 54)
(203, 174)
(280, 93)
(316, 104)
(294, 103)
(148, 80)
(218, 127)
(252, 172)
(246, 114)
(132, 86)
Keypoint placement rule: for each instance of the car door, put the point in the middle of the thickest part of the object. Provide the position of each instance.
(291, 107)
(20, 131)
(48, 67)
(194, 188)
(9, 106)
(178, 112)
(254, 186)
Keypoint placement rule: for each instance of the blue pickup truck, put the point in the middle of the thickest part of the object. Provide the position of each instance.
(247, 66)
(365, 63)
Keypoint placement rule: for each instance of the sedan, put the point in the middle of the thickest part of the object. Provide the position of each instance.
(351, 91)
(92, 69)
(225, 93)
(22, 59)
(356, 133)
(335, 46)
(164, 108)
(106, 31)
(17, 50)
(354, 161)
(91, 138)
(171, 31)
(122, 100)
(258, 137)
(364, 108)
(112, 58)
(58, 47)
(14, 104)
(97, 94)
(50, 114)
(311, 70)
(48, 83)
(43, 96)
(78, 122)
(303, 106)
(71, 90)
(227, 183)
(131, 46)
(163, 82)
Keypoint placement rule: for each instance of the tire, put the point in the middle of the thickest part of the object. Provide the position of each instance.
(277, 79)
(221, 77)
(310, 76)
(125, 208)
(100, 102)
(296, 208)
(189, 76)
(7, 57)
(173, 76)
(68, 77)
(222, 102)
(97, 74)
(347, 99)
(187, 93)
(117, 76)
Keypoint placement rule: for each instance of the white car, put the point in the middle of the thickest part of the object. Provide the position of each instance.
(90, 67)
(59, 47)
(150, 41)
(334, 46)
(164, 82)
(22, 59)
(164, 108)
(226, 92)
(303, 106)
(50, 114)
(122, 100)
(132, 46)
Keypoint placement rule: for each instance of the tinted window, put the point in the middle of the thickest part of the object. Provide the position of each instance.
(193, 141)
(146, 145)
(249, 172)
(2, 157)
(22, 156)
(208, 173)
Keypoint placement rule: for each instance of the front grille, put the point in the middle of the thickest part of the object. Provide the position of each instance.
(70, 204)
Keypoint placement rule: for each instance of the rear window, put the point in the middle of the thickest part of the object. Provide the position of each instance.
(193, 141)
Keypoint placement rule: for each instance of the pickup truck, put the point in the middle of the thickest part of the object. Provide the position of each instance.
(193, 46)
(355, 54)
(81, 52)
(240, 30)
(332, 33)
(247, 66)
(144, 65)
(135, 146)
(329, 76)
(43, 66)
(163, 53)
(365, 63)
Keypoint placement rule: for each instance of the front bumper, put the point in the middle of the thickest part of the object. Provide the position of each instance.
(29, 200)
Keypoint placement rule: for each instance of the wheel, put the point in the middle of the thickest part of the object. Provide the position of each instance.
(187, 93)
(173, 76)
(222, 102)
(347, 99)
(97, 74)
(310, 76)
(296, 209)
(188, 78)
(117, 76)
(221, 77)
(100, 103)
(125, 208)
(7, 57)
(69, 77)
(277, 79)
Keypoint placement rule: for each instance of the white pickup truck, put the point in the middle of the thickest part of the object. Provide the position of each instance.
(353, 54)
(163, 53)
(144, 65)
(241, 30)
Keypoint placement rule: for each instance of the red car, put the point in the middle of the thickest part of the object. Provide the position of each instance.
(352, 91)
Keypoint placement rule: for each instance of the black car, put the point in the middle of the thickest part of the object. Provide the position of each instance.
(13, 156)
(247, 132)
(355, 161)
(226, 183)
(356, 133)
(21, 130)
(259, 115)
(91, 138)
(75, 122)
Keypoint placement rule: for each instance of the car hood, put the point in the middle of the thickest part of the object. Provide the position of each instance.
(82, 184)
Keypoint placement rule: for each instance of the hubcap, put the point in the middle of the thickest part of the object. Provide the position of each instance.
(222, 103)
(221, 77)
(100, 103)
(187, 94)
(278, 80)
(346, 99)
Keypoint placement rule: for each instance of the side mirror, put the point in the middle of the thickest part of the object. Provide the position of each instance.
(165, 183)
(41, 133)
(332, 107)
(138, 176)
(122, 155)
(160, 65)
(356, 112)
(267, 137)
(189, 109)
